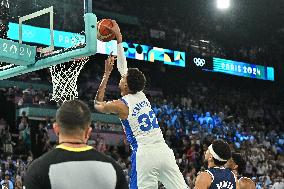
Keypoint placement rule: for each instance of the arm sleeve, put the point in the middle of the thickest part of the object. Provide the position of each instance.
(121, 60)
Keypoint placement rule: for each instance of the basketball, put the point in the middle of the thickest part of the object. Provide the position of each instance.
(103, 34)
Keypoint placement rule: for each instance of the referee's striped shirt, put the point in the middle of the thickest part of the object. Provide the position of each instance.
(74, 168)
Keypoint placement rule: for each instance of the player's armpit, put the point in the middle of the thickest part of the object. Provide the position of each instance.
(203, 181)
(108, 107)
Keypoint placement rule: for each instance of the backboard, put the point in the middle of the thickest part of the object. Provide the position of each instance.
(51, 25)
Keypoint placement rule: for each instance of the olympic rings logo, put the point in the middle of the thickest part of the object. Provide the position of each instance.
(199, 61)
(28, 34)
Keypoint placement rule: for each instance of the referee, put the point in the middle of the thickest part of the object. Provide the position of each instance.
(73, 164)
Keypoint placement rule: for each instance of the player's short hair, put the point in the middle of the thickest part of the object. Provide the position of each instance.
(238, 159)
(135, 80)
(223, 150)
(72, 116)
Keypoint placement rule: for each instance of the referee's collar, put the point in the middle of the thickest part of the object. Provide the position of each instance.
(72, 149)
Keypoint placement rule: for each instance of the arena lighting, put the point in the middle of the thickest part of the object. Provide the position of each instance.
(223, 4)
(204, 41)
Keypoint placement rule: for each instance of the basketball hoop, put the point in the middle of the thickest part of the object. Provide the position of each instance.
(64, 76)
(18, 58)
(64, 79)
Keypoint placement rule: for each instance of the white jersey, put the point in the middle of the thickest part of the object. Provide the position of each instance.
(151, 159)
(141, 126)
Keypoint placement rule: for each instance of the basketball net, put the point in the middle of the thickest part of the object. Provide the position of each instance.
(4, 66)
(64, 77)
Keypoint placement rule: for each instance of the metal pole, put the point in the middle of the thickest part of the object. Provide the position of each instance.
(88, 6)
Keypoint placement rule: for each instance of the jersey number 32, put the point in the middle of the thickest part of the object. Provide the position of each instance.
(148, 121)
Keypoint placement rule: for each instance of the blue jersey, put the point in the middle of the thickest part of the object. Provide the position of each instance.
(222, 178)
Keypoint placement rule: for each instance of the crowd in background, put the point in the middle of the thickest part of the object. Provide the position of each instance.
(202, 32)
(199, 29)
(251, 123)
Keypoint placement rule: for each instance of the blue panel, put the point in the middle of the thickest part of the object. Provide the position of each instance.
(88, 50)
(129, 134)
(133, 174)
(39, 35)
(31, 34)
(243, 69)
(17, 53)
(270, 73)
(64, 39)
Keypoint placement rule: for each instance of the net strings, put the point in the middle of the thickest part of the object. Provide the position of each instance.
(64, 77)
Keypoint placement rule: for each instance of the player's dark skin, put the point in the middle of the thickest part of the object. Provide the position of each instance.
(244, 182)
(204, 179)
(115, 106)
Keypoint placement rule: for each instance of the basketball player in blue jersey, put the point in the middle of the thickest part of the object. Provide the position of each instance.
(217, 176)
(237, 164)
(151, 159)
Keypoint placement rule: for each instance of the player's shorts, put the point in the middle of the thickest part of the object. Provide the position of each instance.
(153, 163)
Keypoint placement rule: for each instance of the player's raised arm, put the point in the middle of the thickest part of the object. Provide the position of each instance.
(100, 105)
(121, 59)
(116, 106)
(109, 62)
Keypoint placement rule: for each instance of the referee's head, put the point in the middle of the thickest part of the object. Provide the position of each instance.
(73, 120)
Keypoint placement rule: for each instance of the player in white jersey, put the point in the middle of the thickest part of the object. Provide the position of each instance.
(152, 160)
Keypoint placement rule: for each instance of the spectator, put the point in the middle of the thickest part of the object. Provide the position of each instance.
(279, 184)
(6, 182)
(18, 184)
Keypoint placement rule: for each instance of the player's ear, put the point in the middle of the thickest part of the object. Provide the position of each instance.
(125, 81)
(210, 157)
(126, 87)
(56, 128)
(88, 133)
(235, 167)
(125, 84)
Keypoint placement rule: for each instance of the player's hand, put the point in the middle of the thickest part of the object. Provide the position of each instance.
(109, 62)
(116, 31)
